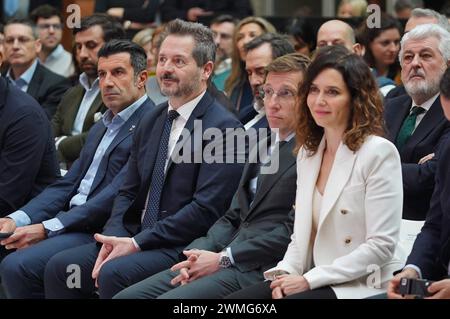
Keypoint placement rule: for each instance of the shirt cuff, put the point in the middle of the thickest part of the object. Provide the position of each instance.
(53, 226)
(230, 255)
(136, 244)
(20, 218)
(415, 268)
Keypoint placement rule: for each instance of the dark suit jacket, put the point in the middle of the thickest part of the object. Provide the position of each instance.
(258, 234)
(172, 9)
(395, 92)
(91, 216)
(418, 180)
(62, 122)
(47, 88)
(194, 195)
(27, 153)
(431, 250)
(142, 11)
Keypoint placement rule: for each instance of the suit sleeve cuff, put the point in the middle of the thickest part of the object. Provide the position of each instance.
(20, 218)
(53, 227)
(59, 140)
(415, 268)
(135, 244)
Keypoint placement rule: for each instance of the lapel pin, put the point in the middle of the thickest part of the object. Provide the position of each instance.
(132, 127)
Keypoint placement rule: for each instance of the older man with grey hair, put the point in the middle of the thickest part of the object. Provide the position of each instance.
(415, 121)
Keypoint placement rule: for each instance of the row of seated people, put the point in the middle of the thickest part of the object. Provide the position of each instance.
(134, 202)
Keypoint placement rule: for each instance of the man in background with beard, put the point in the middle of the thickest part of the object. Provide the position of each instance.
(415, 122)
(82, 105)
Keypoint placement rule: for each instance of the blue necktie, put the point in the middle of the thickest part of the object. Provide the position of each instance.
(157, 182)
(10, 7)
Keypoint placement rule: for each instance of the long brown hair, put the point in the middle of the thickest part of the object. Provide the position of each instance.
(366, 115)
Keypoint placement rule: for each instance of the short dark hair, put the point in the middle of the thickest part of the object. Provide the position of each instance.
(402, 5)
(224, 18)
(204, 49)
(280, 44)
(112, 28)
(445, 84)
(138, 57)
(45, 11)
(26, 22)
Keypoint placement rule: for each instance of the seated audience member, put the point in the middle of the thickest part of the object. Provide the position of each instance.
(28, 161)
(135, 14)
(144, 39)
(382, 45)
(349, 197)
(336, 32)
(259, 53)
(415, 121)
(302, 35)
(22, 47)
(352, 8)
(237, 87)
(49, 23)
(223, 30)
(20, 9)
(419, 16)
(82, 105)
(170, 195)
(430, 256)
(71, 210)
(255, 230)
(193, 10)
(403, 9)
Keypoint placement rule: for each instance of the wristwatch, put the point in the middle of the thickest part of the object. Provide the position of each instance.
(224, 260)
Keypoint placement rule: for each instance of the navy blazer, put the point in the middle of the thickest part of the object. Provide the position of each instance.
(418, 180)
(431, 250)
(194, 195)
(27, 152)
(91, 216)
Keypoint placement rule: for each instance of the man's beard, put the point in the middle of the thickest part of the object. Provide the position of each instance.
(182, 89)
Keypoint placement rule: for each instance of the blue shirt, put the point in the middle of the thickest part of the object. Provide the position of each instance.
(24, 80)
(113, 125)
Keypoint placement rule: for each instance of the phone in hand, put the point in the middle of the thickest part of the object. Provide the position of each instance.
(5, 235)
(414, 287)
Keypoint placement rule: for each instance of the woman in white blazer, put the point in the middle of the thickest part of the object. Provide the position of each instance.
(349, 189)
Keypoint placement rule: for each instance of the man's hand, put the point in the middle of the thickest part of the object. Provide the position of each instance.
(116, 12)
(194, 13)
(440, 289)
(286, 285)
(392, 290)
(24, 237)
(200, 263)
(112, 247)
(7, 225)
(426, 158)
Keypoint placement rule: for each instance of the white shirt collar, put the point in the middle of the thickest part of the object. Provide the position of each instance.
(84, 81)
(427, 104)
(287, 139)
(186, 109)
(56, 52)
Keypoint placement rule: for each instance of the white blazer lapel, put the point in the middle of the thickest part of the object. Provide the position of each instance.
(338, 178)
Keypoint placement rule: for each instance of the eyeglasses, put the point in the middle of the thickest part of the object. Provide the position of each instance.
(21, 40)
(283, 94)
(44, 26)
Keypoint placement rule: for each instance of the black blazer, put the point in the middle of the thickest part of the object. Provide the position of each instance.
(47, 88)
(418, 180)
(194, 195)
(27, 152)
(172, 9)
(258, 234)
(431, 250)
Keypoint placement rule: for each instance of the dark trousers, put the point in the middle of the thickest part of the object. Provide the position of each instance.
(114, 276)
(22, 271)
(214, 286)
(262, 291)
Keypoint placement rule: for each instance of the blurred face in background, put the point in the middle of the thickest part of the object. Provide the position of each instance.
(257, 60)
(223, 38)
(245, 34)
(385, 47)
(50, 32)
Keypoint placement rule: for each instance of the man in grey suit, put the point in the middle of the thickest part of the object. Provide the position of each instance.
(254, 232)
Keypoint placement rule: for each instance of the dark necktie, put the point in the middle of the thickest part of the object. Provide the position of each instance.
(157, 182)
(408, 126)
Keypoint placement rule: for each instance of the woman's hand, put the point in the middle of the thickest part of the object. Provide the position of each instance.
(286, 285)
